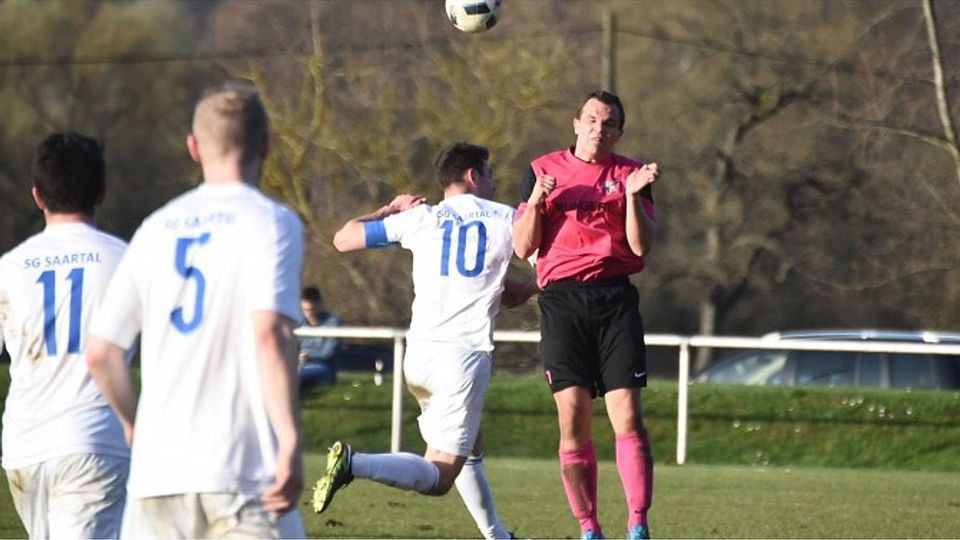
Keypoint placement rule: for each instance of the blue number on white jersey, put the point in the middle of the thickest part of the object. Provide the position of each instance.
(189, 272)
(49, 281)
(477, 267)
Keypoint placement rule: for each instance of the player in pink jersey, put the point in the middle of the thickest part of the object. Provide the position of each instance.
(587, 214)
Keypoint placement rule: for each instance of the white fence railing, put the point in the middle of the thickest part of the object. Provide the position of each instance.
(683, 343)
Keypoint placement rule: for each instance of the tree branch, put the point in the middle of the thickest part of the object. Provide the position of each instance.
(943, 104)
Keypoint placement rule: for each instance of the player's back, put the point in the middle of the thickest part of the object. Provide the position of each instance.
(199, 267)
(461, 250)
(49, 286)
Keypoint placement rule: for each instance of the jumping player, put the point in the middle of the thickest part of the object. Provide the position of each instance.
(212, 281)
(587, 214)
(461, 250)
(63, 448)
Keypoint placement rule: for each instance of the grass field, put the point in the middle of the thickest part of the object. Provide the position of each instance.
(763, 463)
(692, 501)
(731, 425)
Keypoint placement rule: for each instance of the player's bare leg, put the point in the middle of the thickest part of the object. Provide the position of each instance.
(449, 466)
(578, 460)
(634, 459)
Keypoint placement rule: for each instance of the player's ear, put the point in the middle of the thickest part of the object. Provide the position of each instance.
(470, 177)
(37, 198)
(193, 147)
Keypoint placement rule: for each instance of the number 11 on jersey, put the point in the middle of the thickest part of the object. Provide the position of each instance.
(49, 281)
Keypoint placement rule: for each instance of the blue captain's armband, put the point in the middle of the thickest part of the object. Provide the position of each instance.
(375, 234)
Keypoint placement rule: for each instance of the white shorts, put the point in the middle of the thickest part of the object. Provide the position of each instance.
(207, 515)
(450, 384)
(78, 496)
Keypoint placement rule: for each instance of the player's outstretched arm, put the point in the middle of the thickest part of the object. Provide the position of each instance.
(352, 236)
(277, 362)
(105, 361)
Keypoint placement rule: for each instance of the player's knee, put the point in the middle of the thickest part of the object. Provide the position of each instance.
(444, 484)
(575, 434)
(626, 425)
(623, 409)
(446, 480)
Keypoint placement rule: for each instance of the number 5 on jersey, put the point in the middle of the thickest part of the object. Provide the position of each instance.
(189, 272)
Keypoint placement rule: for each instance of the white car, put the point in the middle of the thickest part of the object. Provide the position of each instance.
(777, 367)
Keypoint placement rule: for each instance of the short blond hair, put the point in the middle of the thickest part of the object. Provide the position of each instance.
(230, 117)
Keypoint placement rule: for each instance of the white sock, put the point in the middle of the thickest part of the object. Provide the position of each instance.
(401, 470)
(475, 492)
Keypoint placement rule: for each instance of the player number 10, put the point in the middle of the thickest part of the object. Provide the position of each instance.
(464, 230)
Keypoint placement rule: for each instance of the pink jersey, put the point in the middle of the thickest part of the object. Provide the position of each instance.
(584, 221)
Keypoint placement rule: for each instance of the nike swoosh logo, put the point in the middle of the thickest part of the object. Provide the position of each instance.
(638, 374)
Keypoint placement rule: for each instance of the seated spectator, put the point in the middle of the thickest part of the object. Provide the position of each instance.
(316, 353)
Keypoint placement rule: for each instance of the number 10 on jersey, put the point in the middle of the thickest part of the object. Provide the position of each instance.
(462, 235)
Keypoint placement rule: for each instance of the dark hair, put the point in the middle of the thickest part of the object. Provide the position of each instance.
(457, 159)
(606, 98)
(69, 173)
(311, 294)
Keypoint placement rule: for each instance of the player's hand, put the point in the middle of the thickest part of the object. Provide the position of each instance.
(517, 293)
(284, 494)
(511, 299)
(642, 177)
(406, 201)
(542, 189)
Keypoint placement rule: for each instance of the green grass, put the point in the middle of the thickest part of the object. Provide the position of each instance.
(690, 502)
(816, 427)
(762, 462)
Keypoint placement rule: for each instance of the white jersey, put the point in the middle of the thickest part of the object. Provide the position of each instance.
(49, 287)
(461, 250)
(196, 271)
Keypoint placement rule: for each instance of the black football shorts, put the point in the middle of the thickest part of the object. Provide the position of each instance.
(591, 335)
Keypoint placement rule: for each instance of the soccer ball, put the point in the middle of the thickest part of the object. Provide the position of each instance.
(473, 15)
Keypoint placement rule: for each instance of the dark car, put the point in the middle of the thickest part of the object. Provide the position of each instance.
(781, 367)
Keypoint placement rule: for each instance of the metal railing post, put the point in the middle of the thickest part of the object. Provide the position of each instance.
(683, 384)
(396, 410)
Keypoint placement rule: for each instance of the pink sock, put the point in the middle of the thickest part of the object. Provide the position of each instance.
(578, 469)
(635, 465)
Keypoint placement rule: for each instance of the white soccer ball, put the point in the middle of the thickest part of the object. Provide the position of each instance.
(473, 15)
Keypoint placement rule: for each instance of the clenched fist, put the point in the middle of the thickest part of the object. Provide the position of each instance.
(542, 189)
(642, 177)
